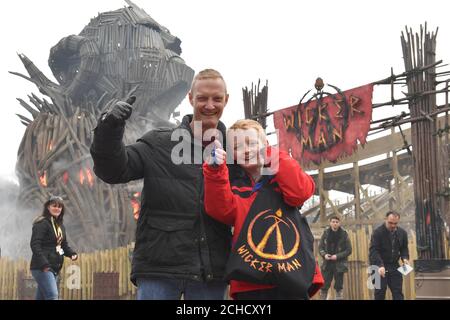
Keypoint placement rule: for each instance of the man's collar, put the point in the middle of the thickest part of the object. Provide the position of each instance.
(186, 124)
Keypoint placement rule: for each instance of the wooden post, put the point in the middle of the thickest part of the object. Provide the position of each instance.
(445, 162)
(420, 51)
(356, 189)
(396, 175)
(255, 103)
(389, 189)
(323, 213)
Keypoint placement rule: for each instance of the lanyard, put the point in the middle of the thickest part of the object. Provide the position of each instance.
(213, 156)
(58, 232)
(261, 182)
(257, 186)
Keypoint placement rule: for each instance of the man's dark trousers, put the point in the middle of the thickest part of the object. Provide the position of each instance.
(394, 280)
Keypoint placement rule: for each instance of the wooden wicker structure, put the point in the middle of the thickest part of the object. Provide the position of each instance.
(117, 54)
(255, 103)
(420, 51)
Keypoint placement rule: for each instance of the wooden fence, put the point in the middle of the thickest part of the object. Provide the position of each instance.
(355, 280)
(76, 283)
(119, 260)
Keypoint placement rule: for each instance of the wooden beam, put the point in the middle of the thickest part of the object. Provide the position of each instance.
(396, 175)
(323, 208)
(361, 222)
(370, 149)
(356, 192)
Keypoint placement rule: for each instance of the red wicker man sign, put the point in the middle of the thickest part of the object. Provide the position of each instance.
(327, 126)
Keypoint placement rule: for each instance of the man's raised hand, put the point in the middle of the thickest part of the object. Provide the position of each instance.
(119, 112)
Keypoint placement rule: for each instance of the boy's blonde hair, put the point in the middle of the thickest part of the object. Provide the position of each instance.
(246, 124)
(243, 125)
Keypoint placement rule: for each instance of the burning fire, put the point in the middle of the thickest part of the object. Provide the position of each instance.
(50, 145)
(136, 205)
(136, 208)
(86, 174)
(65, 177)
(90, 177)
(81, 175)
(43, 178)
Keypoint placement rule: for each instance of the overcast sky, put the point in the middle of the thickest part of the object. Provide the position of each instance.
(289, 43)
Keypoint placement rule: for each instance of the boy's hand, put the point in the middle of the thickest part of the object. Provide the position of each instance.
(218, 156)
(271, 160)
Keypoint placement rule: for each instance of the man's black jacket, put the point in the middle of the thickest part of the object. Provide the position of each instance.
(175, 238)
(386, 248)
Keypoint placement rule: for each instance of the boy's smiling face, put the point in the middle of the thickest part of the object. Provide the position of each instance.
(248, 145)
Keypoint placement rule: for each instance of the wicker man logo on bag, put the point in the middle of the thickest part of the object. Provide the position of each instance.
(271, 243)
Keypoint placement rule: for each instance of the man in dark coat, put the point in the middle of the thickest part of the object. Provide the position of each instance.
(388, 244)
(179, 249)
(334, 247)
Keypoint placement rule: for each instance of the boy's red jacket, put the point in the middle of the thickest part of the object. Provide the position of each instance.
(231, 203)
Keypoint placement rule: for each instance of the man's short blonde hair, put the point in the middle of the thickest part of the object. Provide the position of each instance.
(208, 74)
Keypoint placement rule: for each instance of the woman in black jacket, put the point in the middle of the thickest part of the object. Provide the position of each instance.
(49, 246)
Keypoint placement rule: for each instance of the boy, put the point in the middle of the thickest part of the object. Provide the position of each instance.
(265, 179)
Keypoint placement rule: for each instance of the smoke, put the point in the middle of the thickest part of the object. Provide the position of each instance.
(15, 222)
(60, 164)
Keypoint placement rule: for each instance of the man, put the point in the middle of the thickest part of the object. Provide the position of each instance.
(388, 244)
(179, 249)
(334, 247)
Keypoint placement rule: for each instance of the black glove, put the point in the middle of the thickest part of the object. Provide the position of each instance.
(120, 112)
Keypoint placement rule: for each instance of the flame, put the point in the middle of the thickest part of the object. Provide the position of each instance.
(90, 177)
(136, 208)
(81, 174)
(43, 178)
(136, 194)
(85, 174)
(65, 177)
(50, 145)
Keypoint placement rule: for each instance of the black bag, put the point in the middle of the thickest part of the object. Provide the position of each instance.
(274, 246)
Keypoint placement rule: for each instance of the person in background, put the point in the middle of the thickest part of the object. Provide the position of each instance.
(334, 247)
(389, 244)
(49, 246)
